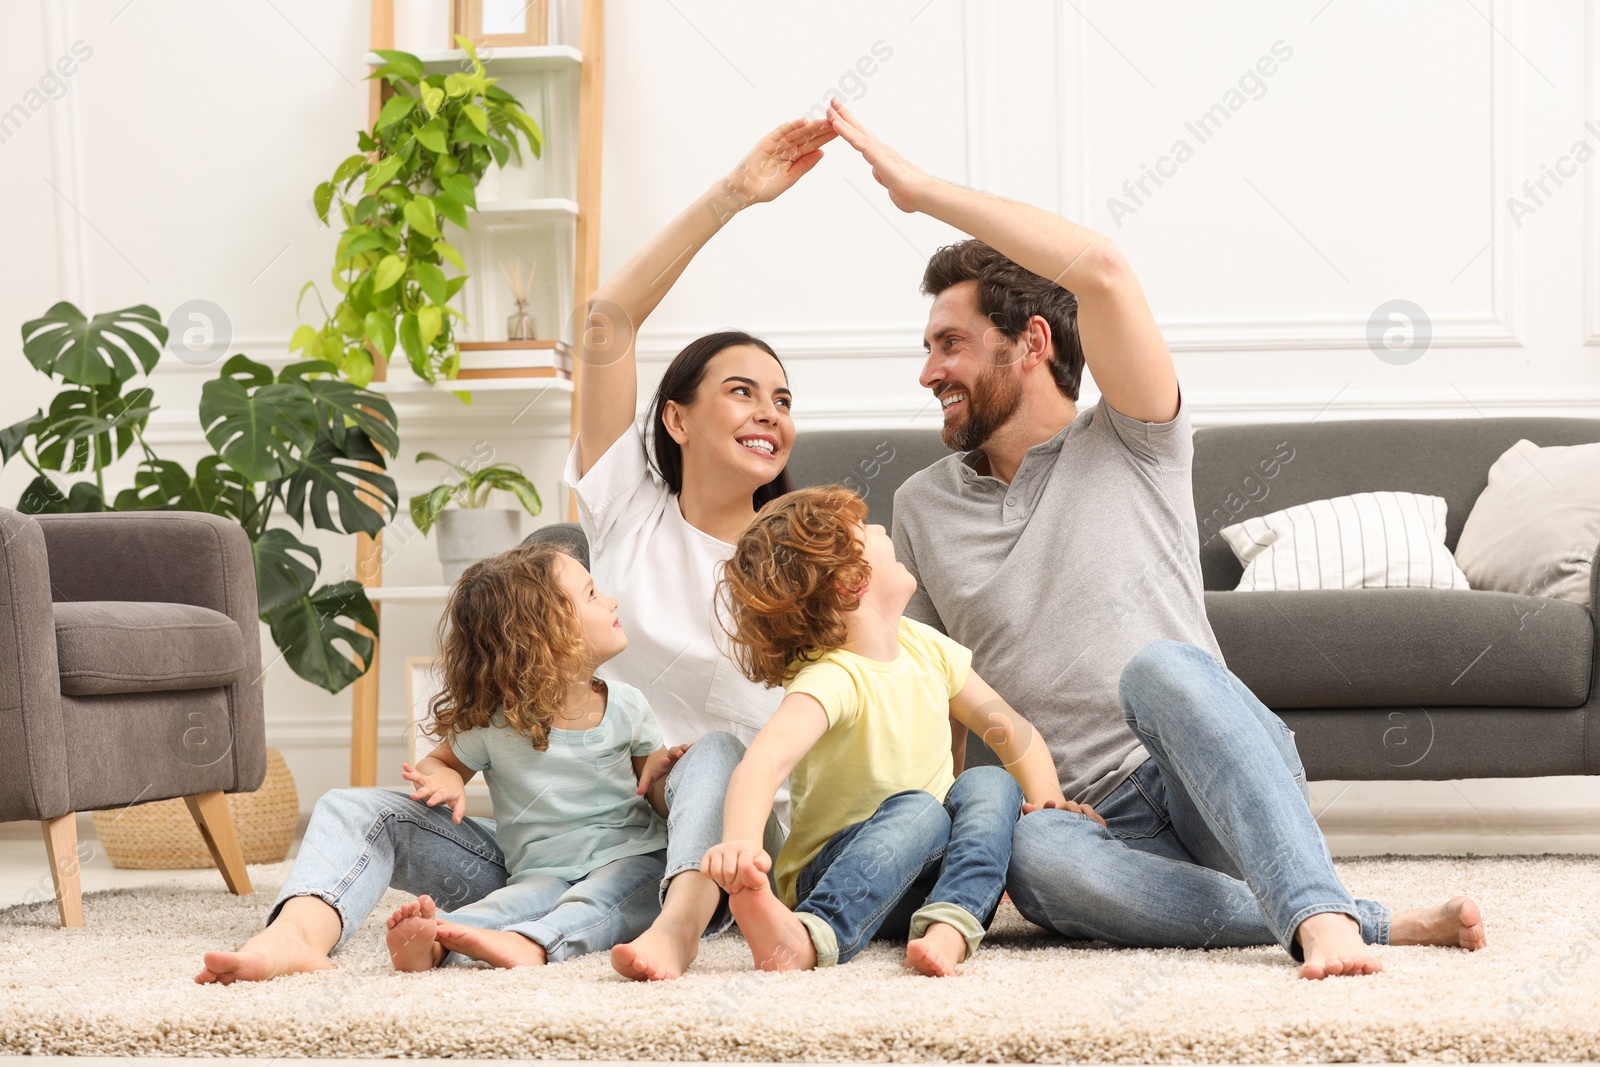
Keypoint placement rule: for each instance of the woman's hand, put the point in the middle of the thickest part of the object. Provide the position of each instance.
(736, 865)
(439, 785)
(659, 766)
(778, 160)
(904, 182)
(1063, 804)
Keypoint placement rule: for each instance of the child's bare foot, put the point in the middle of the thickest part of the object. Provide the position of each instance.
(273, 952)
(1457, 923)
(412, 936)
(501, 948)
(661, 953)
(938, 951)
(778, 941)
(1331, 942)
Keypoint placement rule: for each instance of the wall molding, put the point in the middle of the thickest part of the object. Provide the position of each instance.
(66, 163)
(1591, 220)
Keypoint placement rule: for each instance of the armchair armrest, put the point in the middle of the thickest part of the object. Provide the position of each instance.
(33, 760)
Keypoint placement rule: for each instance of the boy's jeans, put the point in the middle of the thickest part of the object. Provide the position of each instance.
(1210, 843)
(939, 862)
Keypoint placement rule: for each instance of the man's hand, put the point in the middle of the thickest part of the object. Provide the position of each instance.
(904, 182)
(736, 865)
(1063, 804)
(439, 785)
(659, 766)
(778, 160)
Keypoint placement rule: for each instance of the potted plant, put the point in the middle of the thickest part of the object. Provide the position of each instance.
(472, 530)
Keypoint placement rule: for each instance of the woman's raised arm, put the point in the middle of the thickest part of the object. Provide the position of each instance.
(609, 390)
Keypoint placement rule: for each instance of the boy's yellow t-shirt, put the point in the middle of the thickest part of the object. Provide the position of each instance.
(888, 731)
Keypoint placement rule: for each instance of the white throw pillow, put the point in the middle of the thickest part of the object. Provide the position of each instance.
(1534, 528)
(1365, 541)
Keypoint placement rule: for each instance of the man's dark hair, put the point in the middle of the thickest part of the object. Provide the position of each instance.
(1009, 295)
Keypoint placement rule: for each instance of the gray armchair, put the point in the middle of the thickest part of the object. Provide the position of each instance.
(130, 665)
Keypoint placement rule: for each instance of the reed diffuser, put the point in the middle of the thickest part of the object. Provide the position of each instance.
(519, 324)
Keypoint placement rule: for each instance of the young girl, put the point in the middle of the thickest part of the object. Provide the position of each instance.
(569, 761)
(884, 837)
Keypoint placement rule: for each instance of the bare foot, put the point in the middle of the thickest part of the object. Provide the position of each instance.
(413, 944)
(937, 952)
(1457, 923)
(660, 954)
(272, 952)
(502, 948)
(1332, 945)
(778, 941)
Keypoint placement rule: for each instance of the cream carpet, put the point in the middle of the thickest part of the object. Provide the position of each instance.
(122, 986)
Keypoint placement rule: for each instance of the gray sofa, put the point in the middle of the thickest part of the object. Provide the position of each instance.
(130, 671)
(1376, 683)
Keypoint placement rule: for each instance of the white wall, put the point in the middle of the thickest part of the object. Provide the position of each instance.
(1375, 163)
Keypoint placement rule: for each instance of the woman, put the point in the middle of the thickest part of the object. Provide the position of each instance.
(723, 437)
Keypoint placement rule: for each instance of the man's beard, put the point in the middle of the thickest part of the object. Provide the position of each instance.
(991, 401)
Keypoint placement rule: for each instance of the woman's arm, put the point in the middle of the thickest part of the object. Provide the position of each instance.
(609, 393)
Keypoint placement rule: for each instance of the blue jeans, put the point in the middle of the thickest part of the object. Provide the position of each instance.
(695, 792)
(361, 842)
(915, 862)
(1210, 843)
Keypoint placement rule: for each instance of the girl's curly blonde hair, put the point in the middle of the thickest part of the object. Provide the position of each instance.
(512, 643)
(796, 572)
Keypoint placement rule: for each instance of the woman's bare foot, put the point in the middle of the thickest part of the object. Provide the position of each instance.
(1331, 942)
(298, 940)
(778, 941)
(937, 952)
(412, 937)
(501, 948)
(1457, 923)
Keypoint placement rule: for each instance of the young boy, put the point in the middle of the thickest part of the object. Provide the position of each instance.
(885, 838)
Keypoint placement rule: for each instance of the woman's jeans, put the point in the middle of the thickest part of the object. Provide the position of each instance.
(361, 842)
(1210, 843)
(915, 862)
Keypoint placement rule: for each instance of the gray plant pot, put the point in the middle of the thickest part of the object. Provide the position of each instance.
(467, 535)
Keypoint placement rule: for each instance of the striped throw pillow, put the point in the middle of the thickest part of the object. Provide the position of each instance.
(1364, 541)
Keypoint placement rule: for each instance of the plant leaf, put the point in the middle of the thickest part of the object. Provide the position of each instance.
(380, 176)
(378, 327)
(90, 427)
(395, 109)
(343, 404)
(12, 437)
(429, 320)
(431, 278)
(425, 507)
(282, 573)
(94, 351)
(258, 426)
(41, 497)
(388, 271)
(460, 187)
(159, 485)
(420, 213)
(404, 63)
(328, 471)
(434, 135)
(310, 629)
(448, 251)
(518, 484)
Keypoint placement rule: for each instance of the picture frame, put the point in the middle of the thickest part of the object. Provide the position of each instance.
(500, 23)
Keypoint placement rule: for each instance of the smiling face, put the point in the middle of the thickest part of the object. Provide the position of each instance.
(597, 614)
(971, 369)
(740, 420)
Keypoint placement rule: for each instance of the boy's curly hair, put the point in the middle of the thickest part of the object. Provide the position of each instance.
(795, 572)
(512, 643)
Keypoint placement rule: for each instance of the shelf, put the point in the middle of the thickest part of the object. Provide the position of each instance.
(413, 594)
(543, 209)
(531, 387)
(519, 59)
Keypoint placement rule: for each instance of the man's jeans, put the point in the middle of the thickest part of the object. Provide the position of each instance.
(695, 792)
(1210, 843)
(915, 862)
(360, 842)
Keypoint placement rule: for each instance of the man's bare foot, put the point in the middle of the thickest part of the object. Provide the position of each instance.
(412, 936)
(1331, 942)
(274, 951)
(1457, 923)
(778, 941)
(937, 952)
(660, 954)
(502, 948)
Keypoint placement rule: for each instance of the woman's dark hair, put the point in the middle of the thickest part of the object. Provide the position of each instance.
(680, 384)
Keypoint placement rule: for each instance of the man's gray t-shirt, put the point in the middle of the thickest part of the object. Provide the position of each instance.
(1056, 580)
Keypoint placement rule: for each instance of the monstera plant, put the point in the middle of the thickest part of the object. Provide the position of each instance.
(417, 168)
(300, 443)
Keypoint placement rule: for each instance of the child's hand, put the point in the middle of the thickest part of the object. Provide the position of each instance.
(1063, 804)
(659, 766)
(737, 865)
(440, 786)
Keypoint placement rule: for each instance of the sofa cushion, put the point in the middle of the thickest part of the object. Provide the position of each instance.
(125, 646)
(1363, 648)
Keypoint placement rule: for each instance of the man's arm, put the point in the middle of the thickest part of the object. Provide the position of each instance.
(1122, 345)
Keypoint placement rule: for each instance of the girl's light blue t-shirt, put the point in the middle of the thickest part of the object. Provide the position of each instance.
(572, 808)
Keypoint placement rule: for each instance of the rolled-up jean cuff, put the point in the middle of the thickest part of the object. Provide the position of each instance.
(721, 919)
(347, 929)
(1293, 942)
(952, 915)
(542, 935)
(822, 938)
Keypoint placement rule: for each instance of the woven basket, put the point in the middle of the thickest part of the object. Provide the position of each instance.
(161, 835)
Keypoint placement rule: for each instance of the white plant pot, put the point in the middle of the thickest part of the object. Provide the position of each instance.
(467, 535)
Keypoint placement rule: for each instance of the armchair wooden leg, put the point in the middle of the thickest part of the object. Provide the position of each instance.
(61, 845)
(211, 814)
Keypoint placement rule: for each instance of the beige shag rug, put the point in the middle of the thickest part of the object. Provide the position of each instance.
(122, 986)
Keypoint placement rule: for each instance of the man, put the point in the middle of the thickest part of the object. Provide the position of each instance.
(1061, 547)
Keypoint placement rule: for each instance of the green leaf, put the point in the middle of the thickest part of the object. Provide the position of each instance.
(429, 322)
(453, 286)
(452, 209)
(378, 177)
(13, 436)
(475, 115)
(425, 507)
(362, 242)
(342, 404)
(94, 351)
(358, 366)
(259, 427)
(221, 490)
(397, 108)
(322, 198)
(411, 341)
(388, 271)
(431, 278)
(460, 187)
(42, 497)
(158, 485)
(348, 169)
(434, 135)
(378, 327)
(420, 214)
(328, 472)
(282, 573)
(448, 251)
(432, 98)
(518, 484)
(89, 428)
(404, 63)
(309, 631)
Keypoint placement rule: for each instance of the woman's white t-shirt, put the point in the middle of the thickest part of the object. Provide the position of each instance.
(664, 574)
